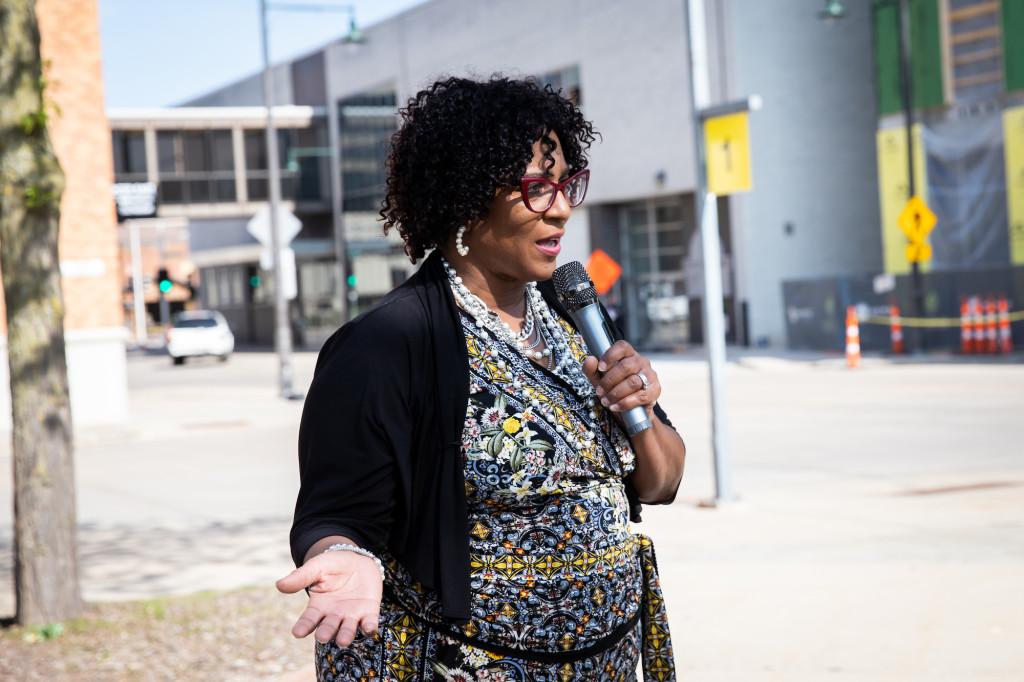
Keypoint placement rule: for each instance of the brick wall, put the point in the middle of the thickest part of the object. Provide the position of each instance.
(69, 31)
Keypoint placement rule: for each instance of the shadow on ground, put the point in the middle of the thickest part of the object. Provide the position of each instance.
(139, 562)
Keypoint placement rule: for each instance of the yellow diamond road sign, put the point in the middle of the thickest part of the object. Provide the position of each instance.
(916, 220)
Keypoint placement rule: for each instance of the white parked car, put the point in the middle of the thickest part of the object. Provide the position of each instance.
(199, 332)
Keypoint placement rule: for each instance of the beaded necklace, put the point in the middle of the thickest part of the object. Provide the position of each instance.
(557, 350)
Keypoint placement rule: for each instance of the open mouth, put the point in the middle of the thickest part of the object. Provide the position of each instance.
(550, 245)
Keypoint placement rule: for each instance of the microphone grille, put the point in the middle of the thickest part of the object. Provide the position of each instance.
(573, 286)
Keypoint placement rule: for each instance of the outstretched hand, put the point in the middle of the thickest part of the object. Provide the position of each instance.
(345, 590)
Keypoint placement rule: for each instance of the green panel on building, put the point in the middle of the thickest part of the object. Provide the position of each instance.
(925, 55)
(1013, 44)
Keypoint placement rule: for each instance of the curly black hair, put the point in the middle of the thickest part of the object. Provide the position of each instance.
(461, 141)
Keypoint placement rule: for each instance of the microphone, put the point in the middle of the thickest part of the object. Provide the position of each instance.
(577, 294)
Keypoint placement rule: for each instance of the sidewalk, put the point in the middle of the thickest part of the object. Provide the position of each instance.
(880, 533)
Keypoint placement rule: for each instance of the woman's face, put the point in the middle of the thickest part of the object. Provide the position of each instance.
(514, 244)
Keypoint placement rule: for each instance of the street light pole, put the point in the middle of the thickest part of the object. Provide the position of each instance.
(282, 326)
(906, 87)
(834, 11)
(337, 207)
(706, 210)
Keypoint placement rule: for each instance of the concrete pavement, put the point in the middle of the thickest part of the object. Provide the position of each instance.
(880, 533)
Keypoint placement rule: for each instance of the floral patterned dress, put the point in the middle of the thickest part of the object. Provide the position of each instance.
(560, 587)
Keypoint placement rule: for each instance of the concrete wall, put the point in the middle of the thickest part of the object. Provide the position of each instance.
(812, 151)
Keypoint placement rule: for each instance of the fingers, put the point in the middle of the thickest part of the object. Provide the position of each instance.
(341, 624)
(299, 579)
(590, 370)
(369, 625)
(307, 622)
(620, 388)
(328, 629)
(345, 593)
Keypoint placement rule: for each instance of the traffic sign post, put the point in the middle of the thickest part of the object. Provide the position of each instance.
(917, 221)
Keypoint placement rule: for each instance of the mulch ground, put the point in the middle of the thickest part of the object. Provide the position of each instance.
(215, 637)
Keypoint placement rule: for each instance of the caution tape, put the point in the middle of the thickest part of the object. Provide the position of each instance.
(930, 321)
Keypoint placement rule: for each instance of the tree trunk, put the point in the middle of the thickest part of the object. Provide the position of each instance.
(31, 183)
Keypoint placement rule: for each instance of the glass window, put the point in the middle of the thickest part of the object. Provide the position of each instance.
(672, 237)
(171, 191)
(209, 281)
(258, 189)
(129, 152)
(566, 80)
(255, 150)
(198, 191)
(222, 157)
(167, 146)
(196, 156)
(237, 285)
(367, 123)
(668, 214)
(196, 166)
(225, 190)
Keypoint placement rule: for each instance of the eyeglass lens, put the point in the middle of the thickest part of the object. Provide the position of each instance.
(542, 193)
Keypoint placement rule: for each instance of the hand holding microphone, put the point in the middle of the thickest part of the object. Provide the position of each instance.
(626, 384)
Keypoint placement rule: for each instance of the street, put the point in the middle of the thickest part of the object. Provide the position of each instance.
(879, 533)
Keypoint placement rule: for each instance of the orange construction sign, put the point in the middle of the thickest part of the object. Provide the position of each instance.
(603, 271)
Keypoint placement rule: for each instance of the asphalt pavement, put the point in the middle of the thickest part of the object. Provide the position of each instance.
(878, 534)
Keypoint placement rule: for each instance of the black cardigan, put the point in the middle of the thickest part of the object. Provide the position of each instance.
(380, 437)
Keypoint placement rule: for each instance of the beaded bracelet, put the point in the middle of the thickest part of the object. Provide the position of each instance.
(358, 550)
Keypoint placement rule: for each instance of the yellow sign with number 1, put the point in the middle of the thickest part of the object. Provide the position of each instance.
(727, 145)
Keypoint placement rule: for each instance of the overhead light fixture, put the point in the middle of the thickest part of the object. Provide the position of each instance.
(354, 34)
(833, 12)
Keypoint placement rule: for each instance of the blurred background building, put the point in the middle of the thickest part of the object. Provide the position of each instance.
(93, 321)
(814, 234)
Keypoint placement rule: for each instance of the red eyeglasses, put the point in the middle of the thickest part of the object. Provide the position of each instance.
(539, 193)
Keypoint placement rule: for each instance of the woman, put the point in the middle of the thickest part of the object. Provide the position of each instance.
(466, 487)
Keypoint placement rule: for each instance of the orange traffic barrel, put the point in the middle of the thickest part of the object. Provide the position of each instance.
(852, 338)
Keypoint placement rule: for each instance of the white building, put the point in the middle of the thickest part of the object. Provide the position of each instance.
(813, 211)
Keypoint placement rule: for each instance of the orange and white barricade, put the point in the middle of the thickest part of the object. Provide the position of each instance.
(966, 327)
(978, 314)
(896, 328)
(1005, 333)
(991, 326)
(852, 338)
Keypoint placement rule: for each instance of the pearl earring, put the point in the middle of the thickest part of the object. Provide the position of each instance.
(463, 250)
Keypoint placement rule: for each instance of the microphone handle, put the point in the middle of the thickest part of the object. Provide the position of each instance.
(595, 331)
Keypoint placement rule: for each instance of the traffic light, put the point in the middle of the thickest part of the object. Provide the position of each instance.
(164, 281)
(351, 280)
(254, 281)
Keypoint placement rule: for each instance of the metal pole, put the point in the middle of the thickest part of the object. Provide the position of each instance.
(337, 204)
(903, 28)
(282, 328)
(707, 218)
(140, 304)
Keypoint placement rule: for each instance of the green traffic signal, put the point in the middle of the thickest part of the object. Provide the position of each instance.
(254, 281)
(351, 280)
(163, 281)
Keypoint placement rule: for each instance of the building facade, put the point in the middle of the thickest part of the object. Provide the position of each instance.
(813, 210)
(93, 322)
